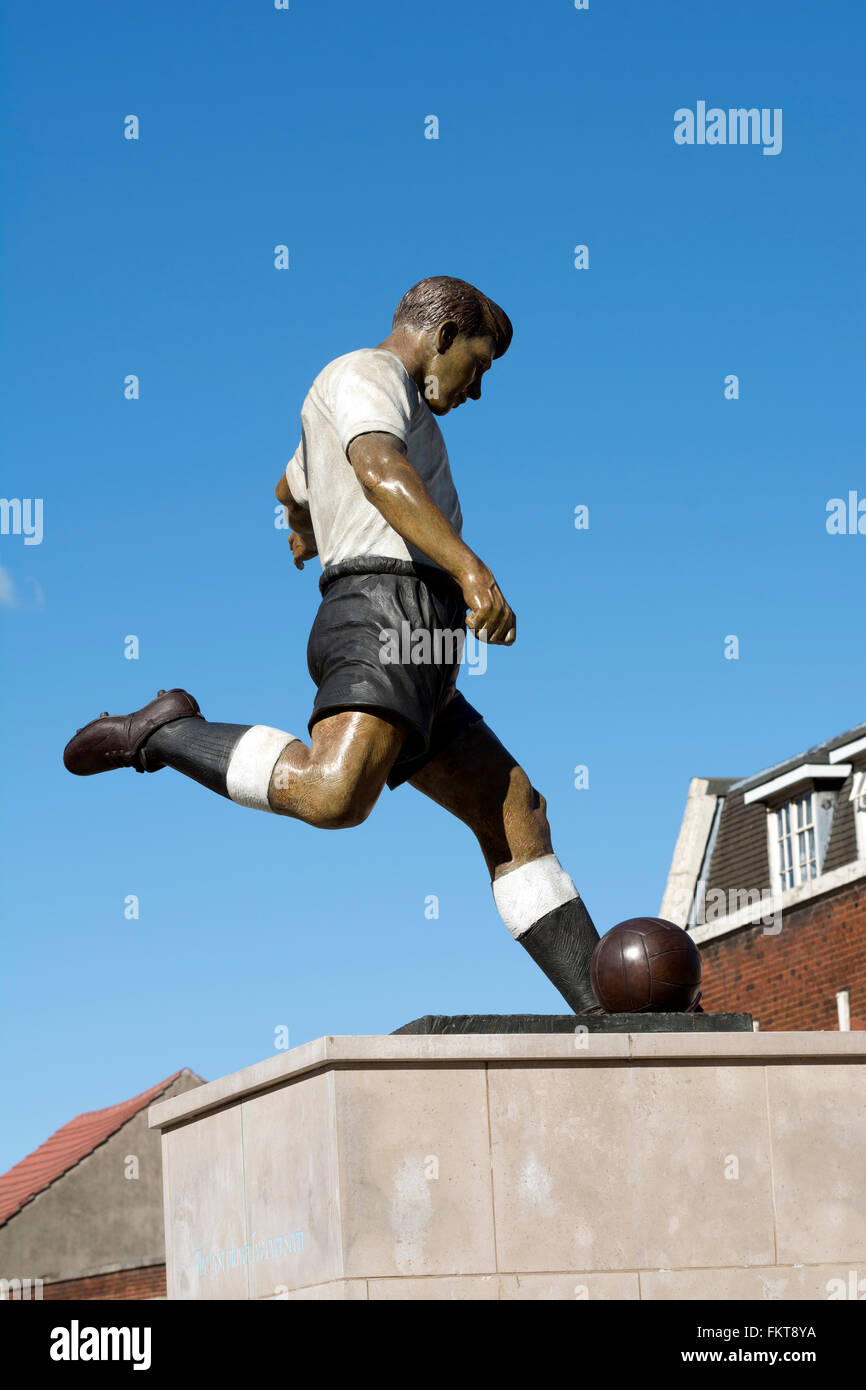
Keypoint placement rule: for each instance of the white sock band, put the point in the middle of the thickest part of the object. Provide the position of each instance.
(252, 763)
(527, 894)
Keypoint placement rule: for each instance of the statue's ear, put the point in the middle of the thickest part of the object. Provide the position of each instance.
(445, 335)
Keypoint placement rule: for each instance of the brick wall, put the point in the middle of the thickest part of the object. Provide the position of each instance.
(148, 1282)
(789, 981)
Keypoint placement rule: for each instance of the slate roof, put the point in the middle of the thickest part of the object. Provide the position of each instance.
(819, 754)
(740, 857)
(68, 1146)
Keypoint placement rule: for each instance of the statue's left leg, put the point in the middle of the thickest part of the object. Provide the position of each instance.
(476, 779)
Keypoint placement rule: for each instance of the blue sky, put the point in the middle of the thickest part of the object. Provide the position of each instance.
(707, 515)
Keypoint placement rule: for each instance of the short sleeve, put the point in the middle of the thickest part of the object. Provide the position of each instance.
(296, 476)
(374, 393)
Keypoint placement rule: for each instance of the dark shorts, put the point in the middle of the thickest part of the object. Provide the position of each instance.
(409, 675)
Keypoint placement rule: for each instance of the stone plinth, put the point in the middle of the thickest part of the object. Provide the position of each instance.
(526, 1166)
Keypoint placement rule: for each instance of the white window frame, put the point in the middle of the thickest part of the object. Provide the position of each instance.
(797, 855)
(793, 842)
(785, 793)
(858, 797)
(854, 750)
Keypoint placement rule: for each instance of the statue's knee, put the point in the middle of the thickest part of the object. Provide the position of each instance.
(340, 807)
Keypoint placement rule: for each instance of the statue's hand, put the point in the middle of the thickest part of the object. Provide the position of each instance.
(303, 548)
(489, 616)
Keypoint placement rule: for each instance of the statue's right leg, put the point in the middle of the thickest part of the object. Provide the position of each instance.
(333, 783)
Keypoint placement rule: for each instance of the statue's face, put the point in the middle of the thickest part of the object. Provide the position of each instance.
(454, 370)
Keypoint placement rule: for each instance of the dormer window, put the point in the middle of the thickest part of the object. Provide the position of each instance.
(800, 806)
(796, 842)
(858, 796)
(856, 752)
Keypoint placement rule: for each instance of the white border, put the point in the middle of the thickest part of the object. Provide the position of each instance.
(806, 772)
(848, 750)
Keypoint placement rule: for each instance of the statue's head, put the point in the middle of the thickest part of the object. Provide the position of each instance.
(458, 332)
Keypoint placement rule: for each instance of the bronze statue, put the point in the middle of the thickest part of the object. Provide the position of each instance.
(369, 490)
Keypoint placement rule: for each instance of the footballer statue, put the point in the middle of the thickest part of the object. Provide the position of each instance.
(369, 491)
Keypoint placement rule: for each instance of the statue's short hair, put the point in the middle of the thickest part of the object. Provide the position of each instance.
(441, 297)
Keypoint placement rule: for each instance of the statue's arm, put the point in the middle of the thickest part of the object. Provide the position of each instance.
(301, 540)
(395, 489)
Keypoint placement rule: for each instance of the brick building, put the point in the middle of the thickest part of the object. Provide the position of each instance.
(83, 1214)
(769, 876)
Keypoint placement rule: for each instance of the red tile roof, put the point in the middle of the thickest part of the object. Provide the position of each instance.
(68, 1146)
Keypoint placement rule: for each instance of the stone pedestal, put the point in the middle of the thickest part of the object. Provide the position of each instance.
(539, 1166)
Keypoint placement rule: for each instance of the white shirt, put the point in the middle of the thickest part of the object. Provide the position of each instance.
(363, 391)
